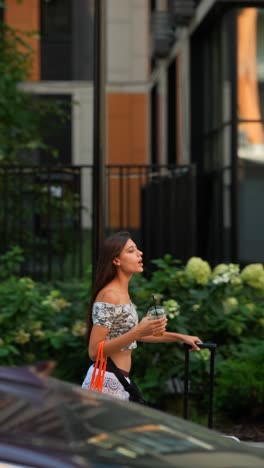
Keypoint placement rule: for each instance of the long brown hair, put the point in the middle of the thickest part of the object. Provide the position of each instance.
(105, 269)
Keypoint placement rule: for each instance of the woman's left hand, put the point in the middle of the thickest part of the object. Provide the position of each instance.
(191, 340)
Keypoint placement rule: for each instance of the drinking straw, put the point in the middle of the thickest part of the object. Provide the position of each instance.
(155, 304)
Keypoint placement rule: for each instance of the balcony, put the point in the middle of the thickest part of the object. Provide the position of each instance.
(181, 11)
(162, 33)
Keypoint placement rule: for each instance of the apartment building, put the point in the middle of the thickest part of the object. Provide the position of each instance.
(184, 84)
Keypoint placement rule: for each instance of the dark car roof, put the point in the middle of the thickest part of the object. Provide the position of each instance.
(45, 422)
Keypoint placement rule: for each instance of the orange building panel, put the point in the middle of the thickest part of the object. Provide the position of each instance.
(127, 128)
(127, 144)
(25, 17)
(248, 86)
(124, 208)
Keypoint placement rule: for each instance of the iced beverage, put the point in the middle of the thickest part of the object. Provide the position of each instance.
(156, 312)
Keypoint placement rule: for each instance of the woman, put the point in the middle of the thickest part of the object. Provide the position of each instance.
(112, 316)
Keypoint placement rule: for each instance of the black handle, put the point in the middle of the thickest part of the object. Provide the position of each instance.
(210, 346)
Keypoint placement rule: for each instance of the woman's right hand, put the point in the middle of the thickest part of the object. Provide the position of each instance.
(148, 326)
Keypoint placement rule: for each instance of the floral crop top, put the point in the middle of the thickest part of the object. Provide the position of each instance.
(118, 318)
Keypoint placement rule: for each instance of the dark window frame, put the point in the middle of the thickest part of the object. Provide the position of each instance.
(56, 34)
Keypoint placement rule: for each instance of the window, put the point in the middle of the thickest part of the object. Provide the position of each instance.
(250, 127)
(56, 40)
(212, 56)
(56, 18)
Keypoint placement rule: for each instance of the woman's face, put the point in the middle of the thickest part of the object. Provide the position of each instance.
(130, 258)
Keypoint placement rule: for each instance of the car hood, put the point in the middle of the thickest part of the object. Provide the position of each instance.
(44, 415)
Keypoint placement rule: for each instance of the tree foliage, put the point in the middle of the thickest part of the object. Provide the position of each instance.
(22, 115)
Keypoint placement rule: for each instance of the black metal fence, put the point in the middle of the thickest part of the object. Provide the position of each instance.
(169, 215)
(47, 211)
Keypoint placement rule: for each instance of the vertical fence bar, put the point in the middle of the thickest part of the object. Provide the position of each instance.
(128, 206)
(61, 224)
(34, 223)
(211, 389)
(73, 225)
(49, 221)
(121, 198)
(80, 174)
(20, 197)
(5, 208)
(186, 384)
(193, 209)
(21, 206)
(13, 204)
(109, 187)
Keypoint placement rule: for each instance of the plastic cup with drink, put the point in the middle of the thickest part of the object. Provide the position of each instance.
(156, 312)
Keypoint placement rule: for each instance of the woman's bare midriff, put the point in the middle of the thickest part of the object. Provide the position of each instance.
(122, 359)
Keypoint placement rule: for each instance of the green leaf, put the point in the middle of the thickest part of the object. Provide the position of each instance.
(4, 352)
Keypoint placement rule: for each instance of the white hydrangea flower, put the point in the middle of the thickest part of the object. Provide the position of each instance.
(198, 270)
(225, 273)
(79, 328)
(172, 307)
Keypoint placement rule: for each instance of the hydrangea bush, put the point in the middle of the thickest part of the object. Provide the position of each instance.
(224, 305)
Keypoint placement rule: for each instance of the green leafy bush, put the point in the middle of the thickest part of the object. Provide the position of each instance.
(240, 382)
(10, 262)
(41, 322)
